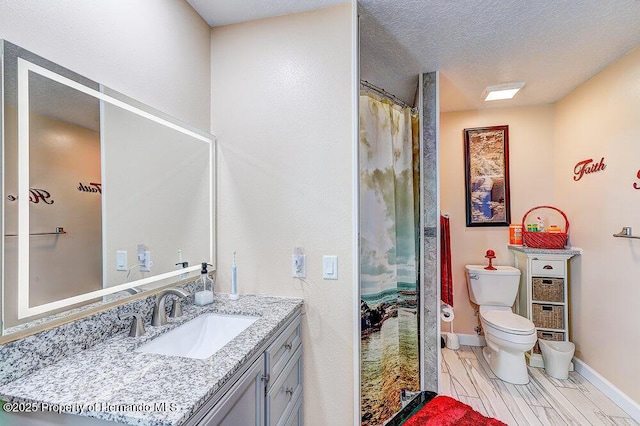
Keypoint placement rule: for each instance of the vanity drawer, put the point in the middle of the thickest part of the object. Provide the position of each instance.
(547, 268)
(286, 391)
(279, 353)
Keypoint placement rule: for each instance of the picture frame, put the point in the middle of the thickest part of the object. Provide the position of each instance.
(486, 153)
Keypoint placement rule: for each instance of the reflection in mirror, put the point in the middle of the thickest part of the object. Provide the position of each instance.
(156, 194)
(63, 143)
(103, 195)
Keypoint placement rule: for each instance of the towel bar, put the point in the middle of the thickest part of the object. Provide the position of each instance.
(59, 230)
(625, 233)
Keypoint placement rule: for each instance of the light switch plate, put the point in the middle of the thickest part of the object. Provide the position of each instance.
(330, 267)
(121, 260)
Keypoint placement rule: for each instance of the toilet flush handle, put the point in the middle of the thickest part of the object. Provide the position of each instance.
(473, 276)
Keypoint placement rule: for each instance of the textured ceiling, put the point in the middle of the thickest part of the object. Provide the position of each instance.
(224, 12)
(552, 45)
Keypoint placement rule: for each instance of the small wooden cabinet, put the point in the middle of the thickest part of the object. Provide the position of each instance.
(543, 296)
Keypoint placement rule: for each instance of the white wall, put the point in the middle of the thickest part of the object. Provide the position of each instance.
(601, 119)
(155, 51)
(281, 109)
(531, 132)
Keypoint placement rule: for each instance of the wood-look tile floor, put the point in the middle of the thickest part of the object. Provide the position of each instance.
(466, 376)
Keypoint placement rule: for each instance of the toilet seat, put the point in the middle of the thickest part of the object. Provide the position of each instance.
(508, 322)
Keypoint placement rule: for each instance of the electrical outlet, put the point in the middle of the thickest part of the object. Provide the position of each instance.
(299, 266)
(146, 263)
(140, 253)
(144, 258)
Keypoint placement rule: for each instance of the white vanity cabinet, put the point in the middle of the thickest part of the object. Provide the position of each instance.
(543, 296)
(268, 392)
(283, 362)
(243, 404)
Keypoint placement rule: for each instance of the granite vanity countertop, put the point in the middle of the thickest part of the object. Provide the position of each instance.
(112, 382)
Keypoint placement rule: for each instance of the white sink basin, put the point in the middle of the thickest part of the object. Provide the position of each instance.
(199, 338)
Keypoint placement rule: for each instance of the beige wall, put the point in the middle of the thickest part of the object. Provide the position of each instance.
(602, 119)
(531, 179)
(281, 109)
(156, 52)
(598, 119)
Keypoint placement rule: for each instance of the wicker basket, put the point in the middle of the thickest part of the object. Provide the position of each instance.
(548, 316)
(548, 335)
(545, 240)
(548, 289)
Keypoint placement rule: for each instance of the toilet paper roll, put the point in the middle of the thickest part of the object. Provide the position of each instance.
(446, 313)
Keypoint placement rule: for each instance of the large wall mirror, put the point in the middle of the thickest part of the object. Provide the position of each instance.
(103, 197)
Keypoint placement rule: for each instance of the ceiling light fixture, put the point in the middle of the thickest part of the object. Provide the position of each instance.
(501, 91)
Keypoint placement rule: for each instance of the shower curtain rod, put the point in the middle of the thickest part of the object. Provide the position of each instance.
(383, 92)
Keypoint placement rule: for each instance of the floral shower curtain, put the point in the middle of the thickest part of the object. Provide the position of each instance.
(389, 247)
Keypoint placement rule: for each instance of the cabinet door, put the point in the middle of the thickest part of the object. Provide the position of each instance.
(243, 404)
(285, 391)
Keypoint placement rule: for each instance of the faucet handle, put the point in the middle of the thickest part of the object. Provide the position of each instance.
(176, 309)
(137, 325)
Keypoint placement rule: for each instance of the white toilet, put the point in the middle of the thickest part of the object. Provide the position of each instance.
(508, 335)
(557, 357)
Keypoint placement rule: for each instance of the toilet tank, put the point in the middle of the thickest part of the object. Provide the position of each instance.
(492, 288)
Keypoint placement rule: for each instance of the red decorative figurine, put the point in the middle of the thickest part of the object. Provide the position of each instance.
(490, 255)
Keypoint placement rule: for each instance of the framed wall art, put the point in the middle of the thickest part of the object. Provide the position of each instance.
(486, 151)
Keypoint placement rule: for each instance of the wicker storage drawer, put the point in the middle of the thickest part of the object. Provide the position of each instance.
(548, 335)
(548, 316)
(548, 289)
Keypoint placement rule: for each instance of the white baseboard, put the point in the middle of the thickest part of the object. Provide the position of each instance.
(471, 340)
(606, 387)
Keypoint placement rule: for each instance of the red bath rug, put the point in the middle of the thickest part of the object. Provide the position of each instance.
(443, 411)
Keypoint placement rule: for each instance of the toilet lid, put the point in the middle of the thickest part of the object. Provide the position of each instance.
(508, 322)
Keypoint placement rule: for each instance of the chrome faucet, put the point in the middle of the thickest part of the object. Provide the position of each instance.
(159, 312)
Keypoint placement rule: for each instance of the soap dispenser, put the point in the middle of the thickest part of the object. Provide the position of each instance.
(204, 296)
